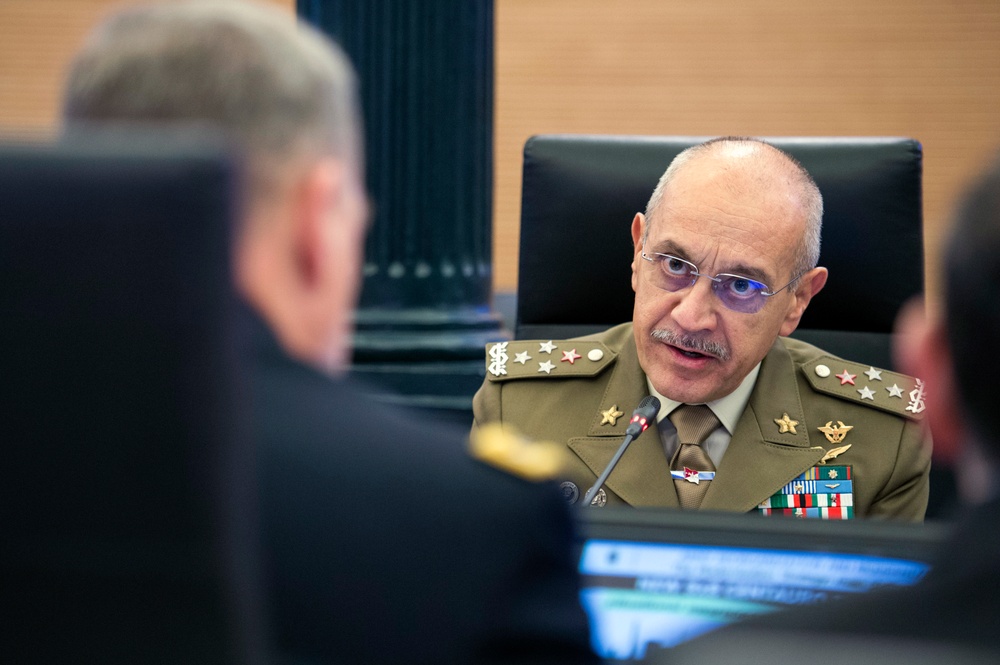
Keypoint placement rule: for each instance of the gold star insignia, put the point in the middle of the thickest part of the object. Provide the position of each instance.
(786, 424)
(611, 416)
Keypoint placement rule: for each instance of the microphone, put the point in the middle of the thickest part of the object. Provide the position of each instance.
(641, 418)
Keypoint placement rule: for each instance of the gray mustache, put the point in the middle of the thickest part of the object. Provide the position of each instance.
(691, 343)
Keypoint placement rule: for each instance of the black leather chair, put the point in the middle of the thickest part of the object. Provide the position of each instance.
(128, 500)
(580, 193)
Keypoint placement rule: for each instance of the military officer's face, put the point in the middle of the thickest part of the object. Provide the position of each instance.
(725, 213)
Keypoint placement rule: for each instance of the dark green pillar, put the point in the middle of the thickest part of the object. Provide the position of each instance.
(426, 74)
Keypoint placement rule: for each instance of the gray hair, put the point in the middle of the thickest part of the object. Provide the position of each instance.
(279, 90)
(812, 199)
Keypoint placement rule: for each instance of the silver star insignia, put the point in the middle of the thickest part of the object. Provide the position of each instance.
(546, 347)
(874, 374)
(546, 367)
(895, 391)
(867, 393)
(522, 357)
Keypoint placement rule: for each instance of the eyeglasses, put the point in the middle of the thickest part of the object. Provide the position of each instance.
(740, 294)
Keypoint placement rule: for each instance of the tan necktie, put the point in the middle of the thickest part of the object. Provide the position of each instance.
(694, 424)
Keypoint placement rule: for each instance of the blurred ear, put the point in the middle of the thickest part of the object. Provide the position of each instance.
(638, 224)
(809, 285)
(920, 349)
(314, 199)
(326, 264)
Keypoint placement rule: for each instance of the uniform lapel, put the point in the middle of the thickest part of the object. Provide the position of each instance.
(642, 477)
(761, 459)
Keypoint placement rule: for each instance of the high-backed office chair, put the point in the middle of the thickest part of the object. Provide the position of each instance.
(127, 499)
(580, 193)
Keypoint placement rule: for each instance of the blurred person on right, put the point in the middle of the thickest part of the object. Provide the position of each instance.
(953, 614)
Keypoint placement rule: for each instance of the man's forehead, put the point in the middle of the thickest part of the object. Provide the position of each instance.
(752, 243)
(743, 206)
(738, 167)
(747, 224)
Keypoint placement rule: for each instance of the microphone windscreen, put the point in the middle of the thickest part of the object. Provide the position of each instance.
(643, 415)
(649, 404)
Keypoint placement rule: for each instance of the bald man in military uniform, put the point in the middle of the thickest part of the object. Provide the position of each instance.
(725, 263)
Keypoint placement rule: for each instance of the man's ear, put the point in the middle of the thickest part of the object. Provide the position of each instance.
(638, 223)
(315, 199)
(809, 285)
(920, 349)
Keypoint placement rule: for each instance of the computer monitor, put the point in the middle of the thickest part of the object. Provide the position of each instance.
(652, 579)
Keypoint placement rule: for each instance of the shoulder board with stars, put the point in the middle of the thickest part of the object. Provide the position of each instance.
(541, 359)
(531, 460)
(878, 388)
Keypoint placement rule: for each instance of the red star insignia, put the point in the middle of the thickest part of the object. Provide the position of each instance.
(846, 378)
(570, 356)
(691, 476)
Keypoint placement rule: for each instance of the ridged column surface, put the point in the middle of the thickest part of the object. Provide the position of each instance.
(426, 79)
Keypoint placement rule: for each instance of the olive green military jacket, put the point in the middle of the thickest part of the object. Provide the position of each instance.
(810, 413)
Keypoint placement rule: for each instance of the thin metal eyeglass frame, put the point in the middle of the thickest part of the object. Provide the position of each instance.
(657, 257)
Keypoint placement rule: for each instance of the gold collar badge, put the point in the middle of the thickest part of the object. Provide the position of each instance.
(611, 416)
(786, 424)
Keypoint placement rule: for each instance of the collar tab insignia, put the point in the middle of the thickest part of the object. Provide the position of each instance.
(786, 424)
(611, 416)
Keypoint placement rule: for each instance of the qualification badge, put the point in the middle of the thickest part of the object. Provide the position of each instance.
(835, 433)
